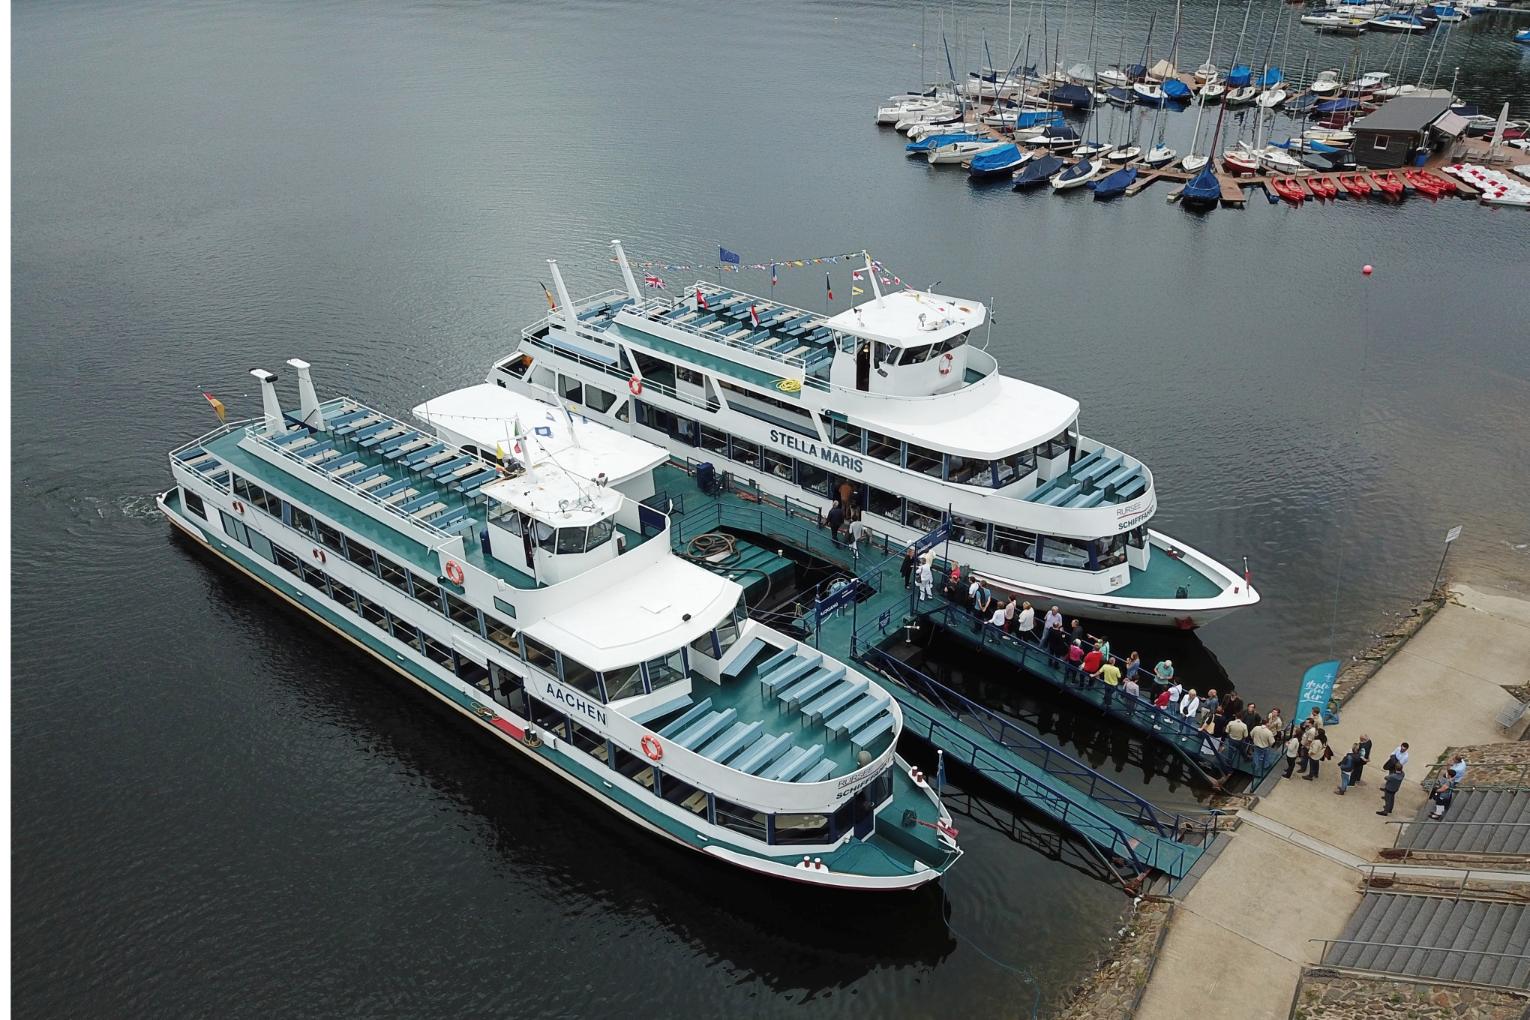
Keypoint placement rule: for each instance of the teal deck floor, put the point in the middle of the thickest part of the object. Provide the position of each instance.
(1163, 576)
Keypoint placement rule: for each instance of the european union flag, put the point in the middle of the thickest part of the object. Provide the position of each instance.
(724, 255)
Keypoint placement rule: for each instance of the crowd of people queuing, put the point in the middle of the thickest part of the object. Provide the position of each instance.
(1233, 725)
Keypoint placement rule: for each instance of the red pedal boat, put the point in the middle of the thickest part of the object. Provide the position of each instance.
(1388, 183)
(1421, 184)
(1355, 184)
(1444, 185)
(1289, 189)
(1323, 187)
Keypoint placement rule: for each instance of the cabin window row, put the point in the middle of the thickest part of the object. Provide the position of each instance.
(380, 617)
(948, 467)
(430, 594)
(796, 828)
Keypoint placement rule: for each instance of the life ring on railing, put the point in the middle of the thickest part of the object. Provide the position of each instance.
(636, 386)
(945, 363)
(238, 507)
(454, 572)
(652, 748)
(318, 554)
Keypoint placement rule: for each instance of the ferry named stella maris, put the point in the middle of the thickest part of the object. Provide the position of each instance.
(890, 399)
(536, 597)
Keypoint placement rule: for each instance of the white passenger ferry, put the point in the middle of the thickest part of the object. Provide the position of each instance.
(531, 599)
(890, 397)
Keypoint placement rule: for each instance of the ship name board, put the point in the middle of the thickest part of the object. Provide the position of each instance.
(574, 703)
(1134, 513)
(808, 448)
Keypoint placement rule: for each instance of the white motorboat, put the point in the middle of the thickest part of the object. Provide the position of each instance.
(1278, 160)
(1339, 138)
(889, 402)
(1325, 84)
(895, 111)
(1240, 96)
(1270, 98)
(1125, 154)
(931, 115)
(1159, 156)
(1367, 83)
(1113, 76)
(1076, 176)
(1214, 91)
(1193, 162)
(1147, 92)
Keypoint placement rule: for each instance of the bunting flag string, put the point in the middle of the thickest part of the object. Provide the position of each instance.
(652, 266)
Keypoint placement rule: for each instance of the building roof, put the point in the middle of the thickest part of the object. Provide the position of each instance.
(1405, 113)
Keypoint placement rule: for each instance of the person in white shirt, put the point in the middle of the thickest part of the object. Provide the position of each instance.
(1009, 614)
(1175, 690)
(997, 619)
(926, 579)
(1189, 705)
(1027, 622)
(1053, 620)
(972, 592)
(1400, 755)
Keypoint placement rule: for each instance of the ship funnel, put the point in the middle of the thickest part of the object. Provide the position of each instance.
(313, 417)
(621, 260)
(564, 303)
(275, 425)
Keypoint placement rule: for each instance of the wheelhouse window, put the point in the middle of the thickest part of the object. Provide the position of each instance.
(884, 503)
(1057, 445)
(1110, 552)
(626, 682)
(571, 540)
(581, 677)
(967, 470)
(600, 533)
(1015, 466)
(597, 399)
(194, 503)
(665, 670)
(884, 448)
(540, 656)
(1014, 542)
(571, 389)
(925, 461)
(800, 828)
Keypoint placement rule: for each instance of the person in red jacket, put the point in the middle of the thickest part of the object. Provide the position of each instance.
(1093, 660)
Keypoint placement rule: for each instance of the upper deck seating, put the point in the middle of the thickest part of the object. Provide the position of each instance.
(762, 753)
(351, 462)
(340, 421)
(691, 714)
(731, 741)
(660, 709)
(741, 659)
(795, 762)
(353, 425)
(818, 773)
(705, 728)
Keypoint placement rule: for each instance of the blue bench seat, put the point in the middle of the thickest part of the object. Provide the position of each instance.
(394, 442)
(419, 502)
(447, 467)
(834, 699)
(288, 438)
(466, 524)
(392, 488)
(790, 670)
(763, 753)
(778, 658)
(377, 439)
(661, 709)
(446, 520)
(342, 420)
(706, 728)
(369, 420)
(818, 773)
(742, 656)
(812, 686)
(855, 715)
(1099, 469)
(475, 481)
(870, 732)
(695, 712)
(311, 451)
(795, 762)
(730, 742)
(423, 454)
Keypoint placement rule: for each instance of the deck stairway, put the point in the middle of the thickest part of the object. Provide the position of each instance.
(1193, 746)
(1100, 476)
(1477, 942)
(1480, 821)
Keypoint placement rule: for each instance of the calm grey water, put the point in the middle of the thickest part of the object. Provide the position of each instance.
(220, 810)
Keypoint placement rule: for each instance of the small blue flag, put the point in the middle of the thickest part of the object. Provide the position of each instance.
(724, 255)
(543, 431)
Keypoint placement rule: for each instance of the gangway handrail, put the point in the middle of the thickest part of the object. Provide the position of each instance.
(1426, 949)
(1132, 805)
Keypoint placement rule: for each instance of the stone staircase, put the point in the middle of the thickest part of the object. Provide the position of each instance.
(1480, 821)
(1471, 941)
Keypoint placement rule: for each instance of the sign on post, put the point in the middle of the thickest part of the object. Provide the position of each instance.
(1453, 534)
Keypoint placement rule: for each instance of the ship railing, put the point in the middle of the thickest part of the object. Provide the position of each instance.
(180, 455)
(313, 470)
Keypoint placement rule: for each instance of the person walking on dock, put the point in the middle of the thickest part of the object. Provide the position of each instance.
(1398, 758)
(926, 579)
(1133, 666)
(1347, 768)
(1009, 614)
(997, 619)
(1026, 625)
(1263, 739)
(1362, 758)
(1164, 671)
(907, 567)
(1075, 661)
(1110, 674)
(857, 529)
(1389, 788)
(1190, 706)
(1175, 691)
(836, 517)
(1093, 660)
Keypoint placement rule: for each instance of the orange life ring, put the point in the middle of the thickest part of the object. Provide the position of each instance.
(652, 747)
(636, 386)
(454, 572)
(238, 506)
(945, 363)
(318, 554)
